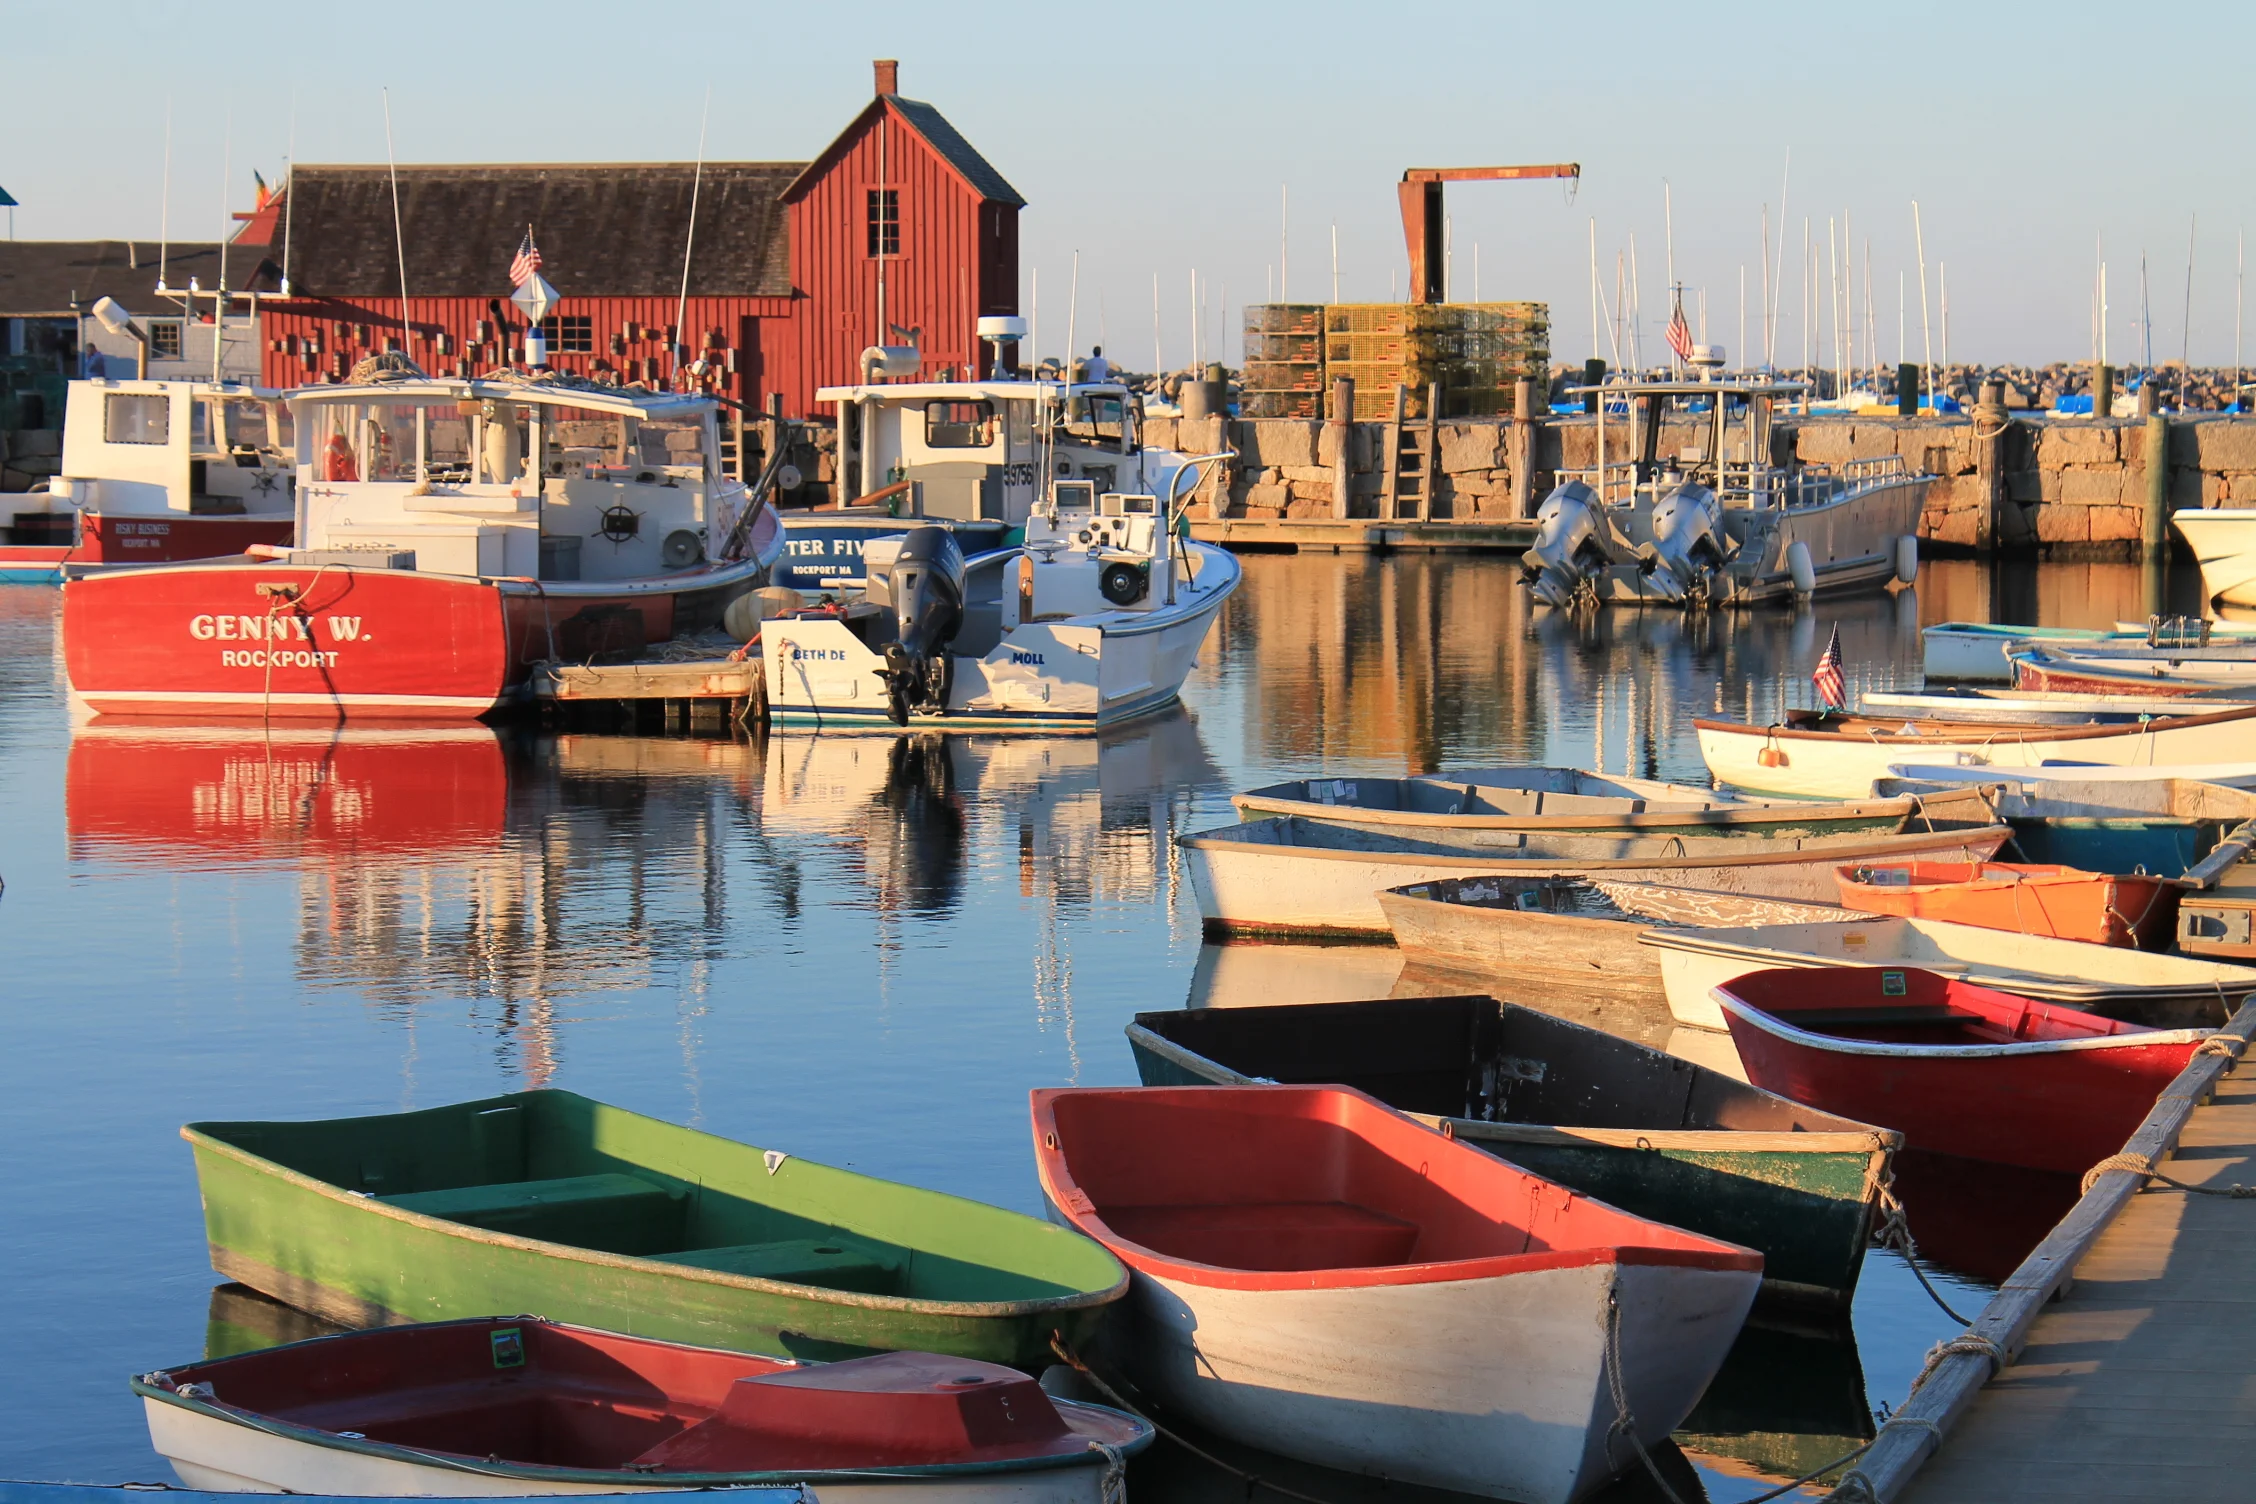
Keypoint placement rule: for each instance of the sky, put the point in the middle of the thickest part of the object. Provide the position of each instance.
(1228, 143)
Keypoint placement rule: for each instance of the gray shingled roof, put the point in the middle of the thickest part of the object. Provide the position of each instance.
(604, 229)
(938, 133)
(38, 277)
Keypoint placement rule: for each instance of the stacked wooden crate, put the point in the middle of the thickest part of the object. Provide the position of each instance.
(1283, 374)
(1474, 352)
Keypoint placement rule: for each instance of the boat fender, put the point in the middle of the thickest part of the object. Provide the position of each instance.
(1799, 566)
(1907, 558)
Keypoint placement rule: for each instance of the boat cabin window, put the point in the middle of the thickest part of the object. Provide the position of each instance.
(254, 425)
(583, 443)
(1100, 419)
(200, 424)
(137, 418)
(673, 445)
(446, 445)
(389, 441)
(1019, 416)
(959, 425)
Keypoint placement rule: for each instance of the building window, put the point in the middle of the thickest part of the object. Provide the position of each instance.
(959, 425)
(569, 334)
(131, 418)
(164, 339)
(885, 221)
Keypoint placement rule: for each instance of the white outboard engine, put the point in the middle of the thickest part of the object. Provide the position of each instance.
(926, 584)
(1571, 533)
(1689, 545)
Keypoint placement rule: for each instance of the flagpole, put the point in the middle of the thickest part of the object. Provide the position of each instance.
(689, 243)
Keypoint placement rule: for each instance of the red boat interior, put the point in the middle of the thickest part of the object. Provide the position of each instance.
(530, 1392)
(1283, 1179)
(1950, 874)
(1904, 1005)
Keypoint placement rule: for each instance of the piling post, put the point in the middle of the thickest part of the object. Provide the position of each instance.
(2154, 537)
(1907, 390)
(1992, 425)
(1343, 453)
(2103, 391)
(1523, 447)
(1593, 374)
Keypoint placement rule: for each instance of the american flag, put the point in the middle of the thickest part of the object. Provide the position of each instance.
(527, 264)
(1831, 687)
(1679, 332)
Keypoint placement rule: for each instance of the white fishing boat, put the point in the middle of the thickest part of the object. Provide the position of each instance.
(1319, 1276)
(1486, 806)
(1718, 522)
(1813, 756)
(2159, 991)
(2223, 540)
(1096, 617)
(2032, 707)
(1288, 875)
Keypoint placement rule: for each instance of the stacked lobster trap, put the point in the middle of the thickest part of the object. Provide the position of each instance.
(1472, 353)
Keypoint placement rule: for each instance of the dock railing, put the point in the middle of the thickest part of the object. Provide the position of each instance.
(1958, 1369)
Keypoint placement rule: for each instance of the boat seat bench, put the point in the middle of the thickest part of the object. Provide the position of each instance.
(1821, 1019)
(1278, 1235)
(835, 1263)
(622, 1213)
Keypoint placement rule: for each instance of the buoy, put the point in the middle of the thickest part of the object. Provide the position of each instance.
(1798, 565)
(1907, 558)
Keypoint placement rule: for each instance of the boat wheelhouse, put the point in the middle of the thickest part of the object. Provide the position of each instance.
(1718, 521)
(451, 533)
(157, 472)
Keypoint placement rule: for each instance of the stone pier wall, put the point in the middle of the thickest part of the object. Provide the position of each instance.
(2074, 489)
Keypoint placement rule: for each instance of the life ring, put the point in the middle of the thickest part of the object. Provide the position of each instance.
(338, 463)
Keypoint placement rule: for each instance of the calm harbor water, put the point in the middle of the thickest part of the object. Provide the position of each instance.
(864, 950)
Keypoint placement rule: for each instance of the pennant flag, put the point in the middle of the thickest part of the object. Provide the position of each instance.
(1831, 687)
(527, 264)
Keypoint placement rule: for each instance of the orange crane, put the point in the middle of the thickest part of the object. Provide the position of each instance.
(1421, 213)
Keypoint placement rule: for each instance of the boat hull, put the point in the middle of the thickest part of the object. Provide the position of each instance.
(822, 548)
(2223, 540)
(2160, 673)
(1494, 1387)
(350, 644)
(105, 538)
(2157, 991)
(1256, 878)
(2059, 1107)
(2140, 912)
(1844, 764)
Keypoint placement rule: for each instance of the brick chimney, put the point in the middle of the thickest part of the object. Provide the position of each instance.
(888, 75)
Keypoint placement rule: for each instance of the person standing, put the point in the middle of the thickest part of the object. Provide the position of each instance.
(1096, 367)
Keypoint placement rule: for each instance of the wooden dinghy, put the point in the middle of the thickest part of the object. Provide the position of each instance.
(2024, 897)
(1319, 1276)
(520, 1406)
(1656, 1136)
(2112, 669)
(547, 1201)
(1959, 1069)
(1495, 806)
(2155, 991)
(1553, 935)
(1292, 875)
(2033, 707)
(1813, 756)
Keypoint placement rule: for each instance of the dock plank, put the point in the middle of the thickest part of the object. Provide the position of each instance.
(2137, 1384)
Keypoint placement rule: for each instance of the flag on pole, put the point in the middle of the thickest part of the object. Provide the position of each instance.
(1831, 687)
(527, 264)
(1680, 332)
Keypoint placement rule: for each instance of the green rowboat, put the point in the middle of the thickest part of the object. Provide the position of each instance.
(551, 1203)
(1650, 1133)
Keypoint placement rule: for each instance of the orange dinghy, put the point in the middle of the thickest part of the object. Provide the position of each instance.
(2063, 902)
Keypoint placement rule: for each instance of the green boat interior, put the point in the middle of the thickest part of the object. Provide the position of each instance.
(559, 1168)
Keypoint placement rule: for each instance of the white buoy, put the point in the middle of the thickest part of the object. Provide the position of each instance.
(1799, 566)
(1907, 558)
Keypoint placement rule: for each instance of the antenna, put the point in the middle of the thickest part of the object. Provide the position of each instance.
(1072, 311)
(1335, 261)
(2185, 351)
(1284, 243)
(1926, 332)
(399, 232)
(289, 198)
(689, 241)
(164, 211)
(1159, 360)
(219, 294)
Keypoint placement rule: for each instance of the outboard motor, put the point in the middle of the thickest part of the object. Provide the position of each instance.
(1570, 545)
(927, 587)
(1689, 545)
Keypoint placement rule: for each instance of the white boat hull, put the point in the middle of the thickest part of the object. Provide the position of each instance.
(1492, 1386)
(2107, 979)
(1844, 767)
(1080, 673)
(222, 1457)
(2223, 540)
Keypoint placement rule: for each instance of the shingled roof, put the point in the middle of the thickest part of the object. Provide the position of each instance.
(604, 229)
(942, 137)
(38, 278)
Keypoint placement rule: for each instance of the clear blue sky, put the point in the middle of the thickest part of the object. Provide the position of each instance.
(1154, 138)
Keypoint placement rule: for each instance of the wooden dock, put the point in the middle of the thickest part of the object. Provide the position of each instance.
(2133, 1381)
(686, 693)
(1362, 535)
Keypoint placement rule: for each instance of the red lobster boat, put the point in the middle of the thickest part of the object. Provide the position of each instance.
(451, 535)
(2066, 903)
(1956, 1068)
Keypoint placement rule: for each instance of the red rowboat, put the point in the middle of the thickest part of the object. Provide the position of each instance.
(521, 1406)
(1317, 1275)
(1956, 1068)
(2063, 902)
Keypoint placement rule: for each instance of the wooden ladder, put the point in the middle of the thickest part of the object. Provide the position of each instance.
(1411, 459)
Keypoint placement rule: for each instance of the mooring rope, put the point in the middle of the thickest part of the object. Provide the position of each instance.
(1894, 1232)
(1625, 1424)
(2144, 1167)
